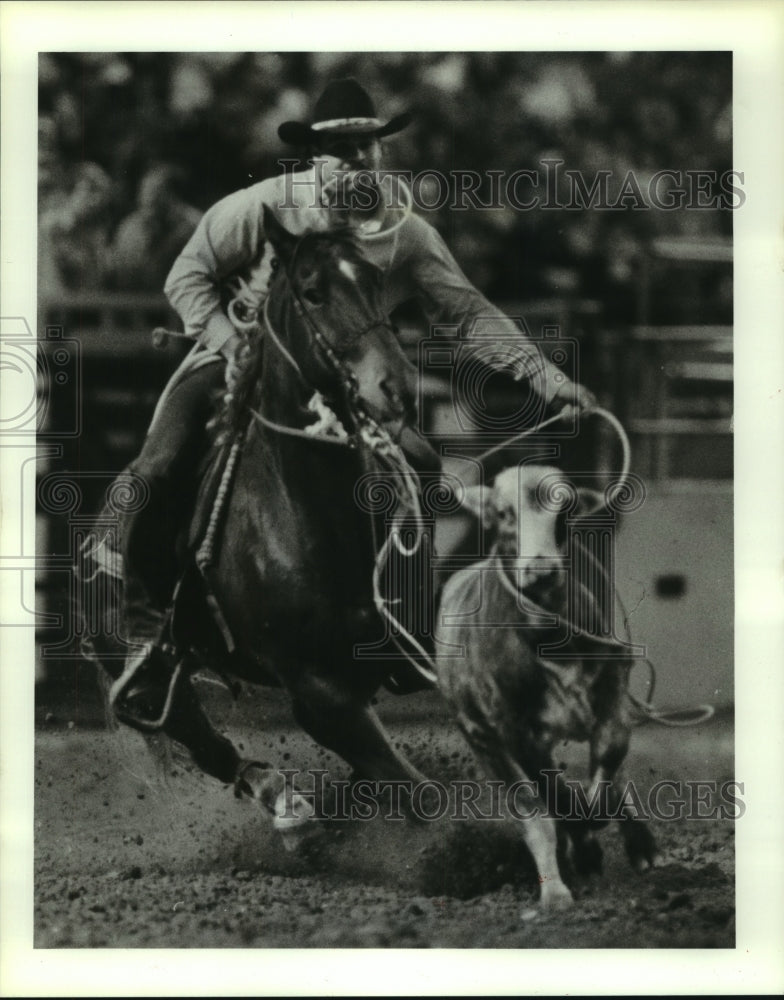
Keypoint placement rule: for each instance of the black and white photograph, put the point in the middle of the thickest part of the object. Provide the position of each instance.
(383, 566)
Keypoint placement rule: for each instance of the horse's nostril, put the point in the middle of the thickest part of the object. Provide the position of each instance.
(391, 392)
(402, 401)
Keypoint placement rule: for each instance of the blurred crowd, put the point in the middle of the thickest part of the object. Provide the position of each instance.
(81, 244)
(134, 147)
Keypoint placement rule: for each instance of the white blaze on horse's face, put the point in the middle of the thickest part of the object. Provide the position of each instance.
(385, 378)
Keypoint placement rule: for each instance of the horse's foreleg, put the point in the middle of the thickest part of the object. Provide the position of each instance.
(188, 724)
(343, 722)
(216, 755)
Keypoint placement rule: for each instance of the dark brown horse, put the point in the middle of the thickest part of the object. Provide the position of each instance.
(293, 559)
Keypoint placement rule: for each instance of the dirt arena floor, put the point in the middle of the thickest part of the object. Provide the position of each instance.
(131, 854)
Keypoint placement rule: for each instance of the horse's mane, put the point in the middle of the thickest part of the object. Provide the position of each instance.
(232, 413)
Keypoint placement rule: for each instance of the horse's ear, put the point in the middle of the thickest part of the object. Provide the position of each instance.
(281, 239)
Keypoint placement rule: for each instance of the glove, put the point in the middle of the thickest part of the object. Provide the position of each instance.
(573, 399)
(556, 390)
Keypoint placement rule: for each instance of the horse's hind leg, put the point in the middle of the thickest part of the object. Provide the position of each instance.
(341, 721)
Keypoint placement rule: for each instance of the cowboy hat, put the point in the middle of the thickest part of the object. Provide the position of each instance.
(345, 108)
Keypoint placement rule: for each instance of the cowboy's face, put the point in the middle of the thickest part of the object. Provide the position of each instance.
(340, 153)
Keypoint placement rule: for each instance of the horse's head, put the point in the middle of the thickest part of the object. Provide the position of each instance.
(343, 330)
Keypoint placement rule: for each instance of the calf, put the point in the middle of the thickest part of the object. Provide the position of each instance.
(511, 703)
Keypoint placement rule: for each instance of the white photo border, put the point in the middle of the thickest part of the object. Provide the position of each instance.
(755, 33)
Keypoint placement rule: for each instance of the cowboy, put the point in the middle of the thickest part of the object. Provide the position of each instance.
(228, 246)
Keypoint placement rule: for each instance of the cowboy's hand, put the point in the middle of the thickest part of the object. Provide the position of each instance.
(571, 399)
(556, 390)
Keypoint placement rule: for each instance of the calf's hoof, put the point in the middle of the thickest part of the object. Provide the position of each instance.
(641, 847)
(588, 856)
(555, 897)
(644, 864)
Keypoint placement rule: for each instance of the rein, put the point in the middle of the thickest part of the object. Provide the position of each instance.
(308, 435)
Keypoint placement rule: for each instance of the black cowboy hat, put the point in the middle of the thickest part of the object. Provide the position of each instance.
(345, 108)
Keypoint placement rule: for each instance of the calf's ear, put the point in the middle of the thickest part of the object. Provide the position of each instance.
(588, 502)
(479, 501)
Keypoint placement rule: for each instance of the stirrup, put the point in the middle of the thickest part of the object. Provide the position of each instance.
(120, 686)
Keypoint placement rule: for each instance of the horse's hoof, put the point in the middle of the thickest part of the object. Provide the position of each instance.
(294, 819)
(258, 782)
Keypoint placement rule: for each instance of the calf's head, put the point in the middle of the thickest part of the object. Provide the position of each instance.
(525, 513)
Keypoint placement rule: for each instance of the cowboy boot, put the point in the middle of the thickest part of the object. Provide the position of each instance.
(138, 697)
(143, 695)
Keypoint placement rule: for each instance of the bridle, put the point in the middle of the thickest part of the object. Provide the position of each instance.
(366, 427)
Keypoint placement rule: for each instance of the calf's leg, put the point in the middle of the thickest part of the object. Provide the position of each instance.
(609, 746)
(527, 810)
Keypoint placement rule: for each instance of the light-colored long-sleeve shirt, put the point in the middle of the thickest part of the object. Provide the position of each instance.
(414, 258)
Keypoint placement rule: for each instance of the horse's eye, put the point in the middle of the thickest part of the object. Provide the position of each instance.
(312, 297)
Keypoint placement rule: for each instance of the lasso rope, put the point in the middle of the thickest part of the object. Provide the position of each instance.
(646, 710)
(597, 411)
(370, 237)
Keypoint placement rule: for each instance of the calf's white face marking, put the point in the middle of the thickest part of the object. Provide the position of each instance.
(525, 530)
